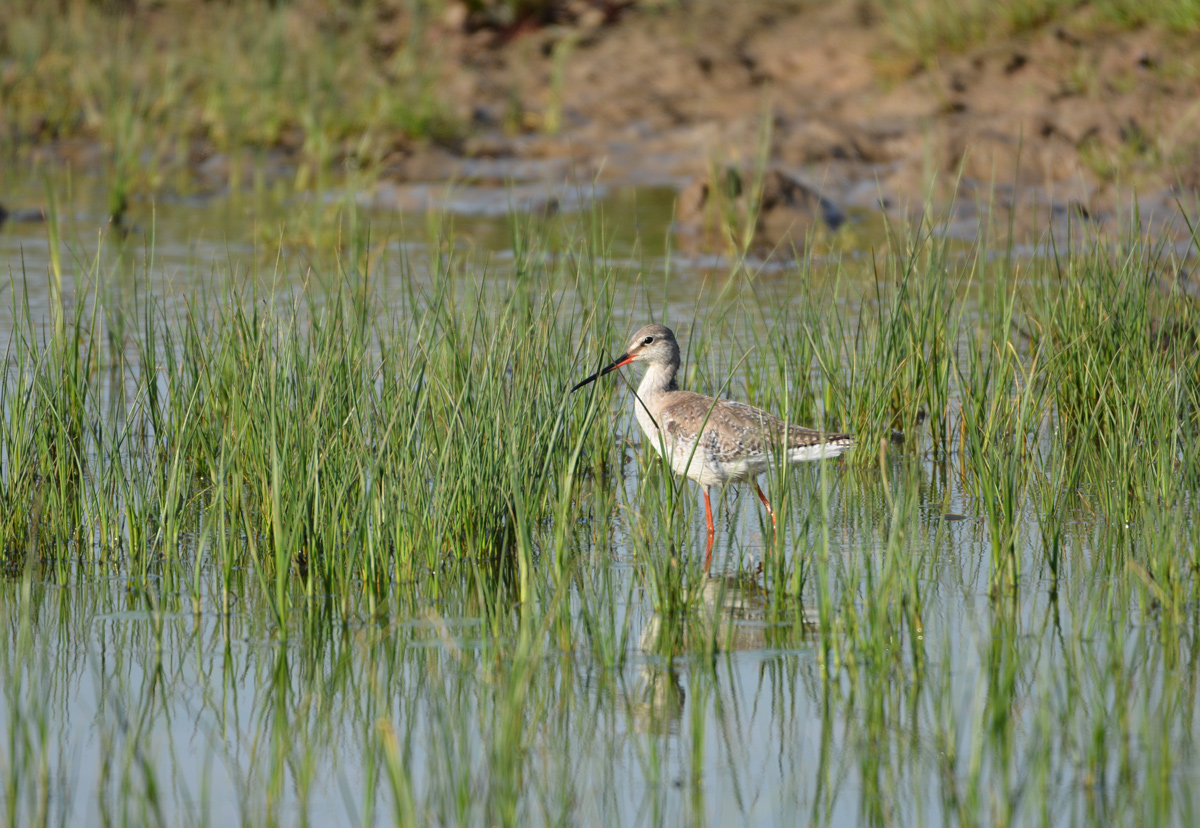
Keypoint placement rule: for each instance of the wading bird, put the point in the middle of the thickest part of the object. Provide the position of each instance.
(710, 440)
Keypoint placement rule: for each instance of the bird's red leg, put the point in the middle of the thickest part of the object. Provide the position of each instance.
(765, 502)
(712, 530)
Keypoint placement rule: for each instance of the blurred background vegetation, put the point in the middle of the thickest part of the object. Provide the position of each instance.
(358, 80)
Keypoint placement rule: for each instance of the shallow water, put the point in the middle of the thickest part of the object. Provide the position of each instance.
(933, 701)
(134, 707)
(179, 246)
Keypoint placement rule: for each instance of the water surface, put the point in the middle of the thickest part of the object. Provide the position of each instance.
(862, 669)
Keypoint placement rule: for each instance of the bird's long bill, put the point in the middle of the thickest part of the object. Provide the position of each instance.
(624, 359)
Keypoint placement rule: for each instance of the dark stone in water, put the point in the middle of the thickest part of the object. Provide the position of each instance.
(28, 215)
(786, 212)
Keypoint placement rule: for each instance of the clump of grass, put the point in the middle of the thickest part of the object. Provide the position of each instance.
(1123, 371)
(888, 370)
(322, 82)
(1000, 418)
(326, 448)
(926, 28)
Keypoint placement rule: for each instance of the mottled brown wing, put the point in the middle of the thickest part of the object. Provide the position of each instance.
(731, 430)
(734, 429)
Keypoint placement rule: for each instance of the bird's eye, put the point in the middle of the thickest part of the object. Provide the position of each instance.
(647, 340)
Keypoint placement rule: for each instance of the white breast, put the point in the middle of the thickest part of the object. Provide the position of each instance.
(649, 427)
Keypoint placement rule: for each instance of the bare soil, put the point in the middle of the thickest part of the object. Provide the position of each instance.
(1077, 120)
(1078, 117)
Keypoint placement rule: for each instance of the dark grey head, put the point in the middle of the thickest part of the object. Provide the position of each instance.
(653, 343)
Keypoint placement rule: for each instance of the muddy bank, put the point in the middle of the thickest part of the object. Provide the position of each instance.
(1075, 120)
